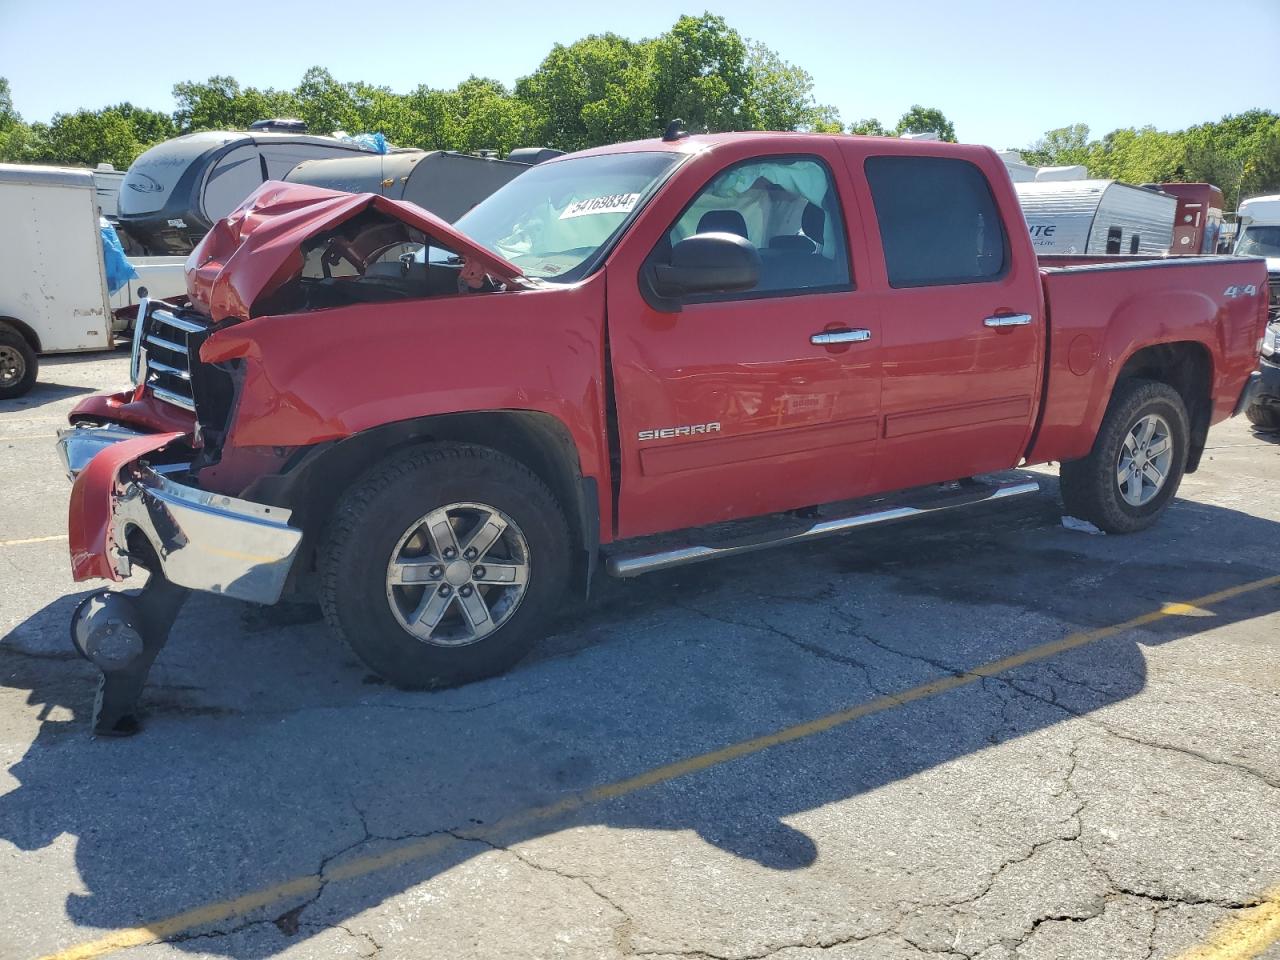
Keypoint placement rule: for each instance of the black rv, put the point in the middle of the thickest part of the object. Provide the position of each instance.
(176, 191)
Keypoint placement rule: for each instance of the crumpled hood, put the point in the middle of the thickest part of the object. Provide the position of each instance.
(258, 248)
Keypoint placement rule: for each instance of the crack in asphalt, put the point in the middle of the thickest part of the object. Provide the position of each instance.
(768, 951)
(625, 923)
(1120, 734)
(807, 646)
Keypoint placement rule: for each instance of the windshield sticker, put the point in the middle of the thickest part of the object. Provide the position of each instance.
(614, 203)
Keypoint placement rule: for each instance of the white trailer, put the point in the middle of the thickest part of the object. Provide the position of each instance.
(53, 286)
(1259, 232)
(1088, 217)
(1259, 236)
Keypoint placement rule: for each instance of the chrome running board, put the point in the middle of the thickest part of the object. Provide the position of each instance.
(786, 529)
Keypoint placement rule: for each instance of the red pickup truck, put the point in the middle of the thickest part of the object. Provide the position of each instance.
(632, 357)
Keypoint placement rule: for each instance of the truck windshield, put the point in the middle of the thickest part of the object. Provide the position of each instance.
(1259, 242)
(552, 220)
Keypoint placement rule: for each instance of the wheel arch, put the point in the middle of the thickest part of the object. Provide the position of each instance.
(540, 441)
(1187, 366)
(23, 330)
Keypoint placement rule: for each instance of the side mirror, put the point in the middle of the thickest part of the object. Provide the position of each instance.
(708, 263)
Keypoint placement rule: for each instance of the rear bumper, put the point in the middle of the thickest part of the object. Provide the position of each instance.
(201, 540)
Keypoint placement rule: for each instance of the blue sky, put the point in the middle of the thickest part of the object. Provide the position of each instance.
(1003, 72)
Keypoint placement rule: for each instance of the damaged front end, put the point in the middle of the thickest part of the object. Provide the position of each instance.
(159, 462)
(133, 499)
(134, 502)
(157, 473)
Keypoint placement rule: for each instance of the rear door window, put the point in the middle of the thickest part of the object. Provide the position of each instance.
(939, 221)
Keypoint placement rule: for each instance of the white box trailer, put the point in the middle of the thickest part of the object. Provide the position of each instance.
(1088, 217)
(53, 286)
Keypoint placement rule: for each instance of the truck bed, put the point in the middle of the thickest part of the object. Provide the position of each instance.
(1102, 311)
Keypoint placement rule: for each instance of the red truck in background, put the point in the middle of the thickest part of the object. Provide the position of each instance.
(632, 357)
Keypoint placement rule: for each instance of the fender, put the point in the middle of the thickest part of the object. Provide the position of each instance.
(1131, 329)
(325, 375)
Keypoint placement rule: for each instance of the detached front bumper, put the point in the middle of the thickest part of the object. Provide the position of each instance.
(201, 540)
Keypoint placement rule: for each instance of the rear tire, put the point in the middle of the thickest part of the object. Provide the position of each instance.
(1264, 416)
(18, 364)
(1114, 487)
(396, 587)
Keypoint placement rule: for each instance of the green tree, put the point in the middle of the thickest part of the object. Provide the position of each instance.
(87, 138)
(1064, 146)
(9, 117)
(380, 110)
(326, 105)
(481, 114)
(1143, 155)
(1239, 153)
(149, 126)
(599, 89)
(869, 127)
(701, 75)
(926, 120)
(781, 95)
(219, 103)
(16, 139)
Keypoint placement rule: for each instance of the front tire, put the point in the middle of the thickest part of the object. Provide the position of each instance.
(443, 565)
(18, 364)
(1136, 463)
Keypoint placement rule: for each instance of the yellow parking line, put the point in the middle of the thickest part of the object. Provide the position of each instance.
(18, 543)
(223, 910)
(1245, 936)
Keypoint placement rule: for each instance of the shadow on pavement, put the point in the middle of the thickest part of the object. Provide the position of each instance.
(41, 394)
(269, 751)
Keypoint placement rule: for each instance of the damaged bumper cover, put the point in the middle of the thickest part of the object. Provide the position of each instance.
(202, 540)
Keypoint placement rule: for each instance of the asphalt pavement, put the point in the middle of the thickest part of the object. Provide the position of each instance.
(980, 735)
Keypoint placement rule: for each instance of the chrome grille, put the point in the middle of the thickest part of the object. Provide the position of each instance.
(162, 347)
(1273, 283)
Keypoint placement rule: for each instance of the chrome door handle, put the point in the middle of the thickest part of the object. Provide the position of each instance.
(828, 337)
(1009, 320)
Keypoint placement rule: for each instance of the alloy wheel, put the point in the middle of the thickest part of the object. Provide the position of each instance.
(1145, 459)
(457, 574)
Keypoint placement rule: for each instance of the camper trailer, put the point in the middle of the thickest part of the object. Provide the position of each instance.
(175, 192)
(1088, 217)
(1197, 222)
(446, 183)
